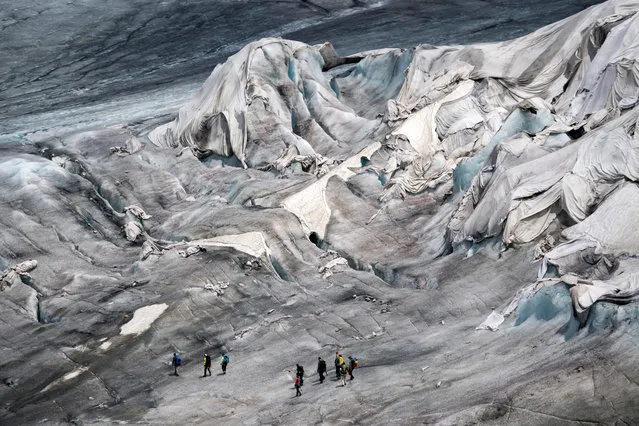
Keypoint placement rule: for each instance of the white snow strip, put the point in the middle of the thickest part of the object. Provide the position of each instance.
(74, 373)
(70, 375)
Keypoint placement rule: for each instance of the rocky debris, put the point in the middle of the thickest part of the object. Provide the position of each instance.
(241, 334)
(137, 212)
(11, 382)
(315, 163)
(150, 248)
(119, 150)
(329, 268)
(544, 246)
(14, 274)
(134, 215)
(132, 146)
(190, 251)
(252, 265)
(218, 287)
(132, 230)
(385, 305)
(327, 253)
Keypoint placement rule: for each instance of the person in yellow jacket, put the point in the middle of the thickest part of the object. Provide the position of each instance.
(339, 361)
(344, 372)
(207, 364)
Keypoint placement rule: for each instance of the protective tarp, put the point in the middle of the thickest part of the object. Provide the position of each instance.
(491, 323)
(521, 199)
(251, 243)
(611, 229)
(529, 135)
(269, 96)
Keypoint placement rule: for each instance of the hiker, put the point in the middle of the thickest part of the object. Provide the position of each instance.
(177, 362)
(338, 365)
(298, 385)
(321, 369)
(344, 371)
(300, 374)
(207, 364)
(224, 362)
(340, 359)
(351, 365)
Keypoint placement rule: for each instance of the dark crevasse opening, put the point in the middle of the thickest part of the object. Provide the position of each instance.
(315, 239)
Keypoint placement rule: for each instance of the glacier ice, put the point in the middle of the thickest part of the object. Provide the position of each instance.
(385, 203)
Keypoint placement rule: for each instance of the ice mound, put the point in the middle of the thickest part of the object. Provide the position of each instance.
(385, 205)
(529, 136)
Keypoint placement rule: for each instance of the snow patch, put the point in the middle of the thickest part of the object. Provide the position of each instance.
(70, 375)
(143, 318)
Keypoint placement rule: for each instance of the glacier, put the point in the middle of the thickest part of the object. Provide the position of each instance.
(460, 217)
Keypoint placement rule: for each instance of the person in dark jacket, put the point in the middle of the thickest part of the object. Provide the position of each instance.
(207, 364)
(321, 369)
(300, 374)
(224, 362)
(177, 362)
(338, 365)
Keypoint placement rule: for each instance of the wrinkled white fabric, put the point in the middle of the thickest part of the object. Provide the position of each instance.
(527, 131)
(491, 323)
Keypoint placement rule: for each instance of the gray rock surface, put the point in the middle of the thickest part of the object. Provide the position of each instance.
(382, 204)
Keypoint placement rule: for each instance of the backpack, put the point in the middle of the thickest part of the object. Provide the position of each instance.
(355, 362)
(225, 359)
(178, 361)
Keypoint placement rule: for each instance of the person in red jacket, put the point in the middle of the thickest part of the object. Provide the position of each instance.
(298, 385)
(351, 365)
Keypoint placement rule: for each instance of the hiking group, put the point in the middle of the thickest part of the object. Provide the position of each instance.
(177, 362)
(342, 371)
